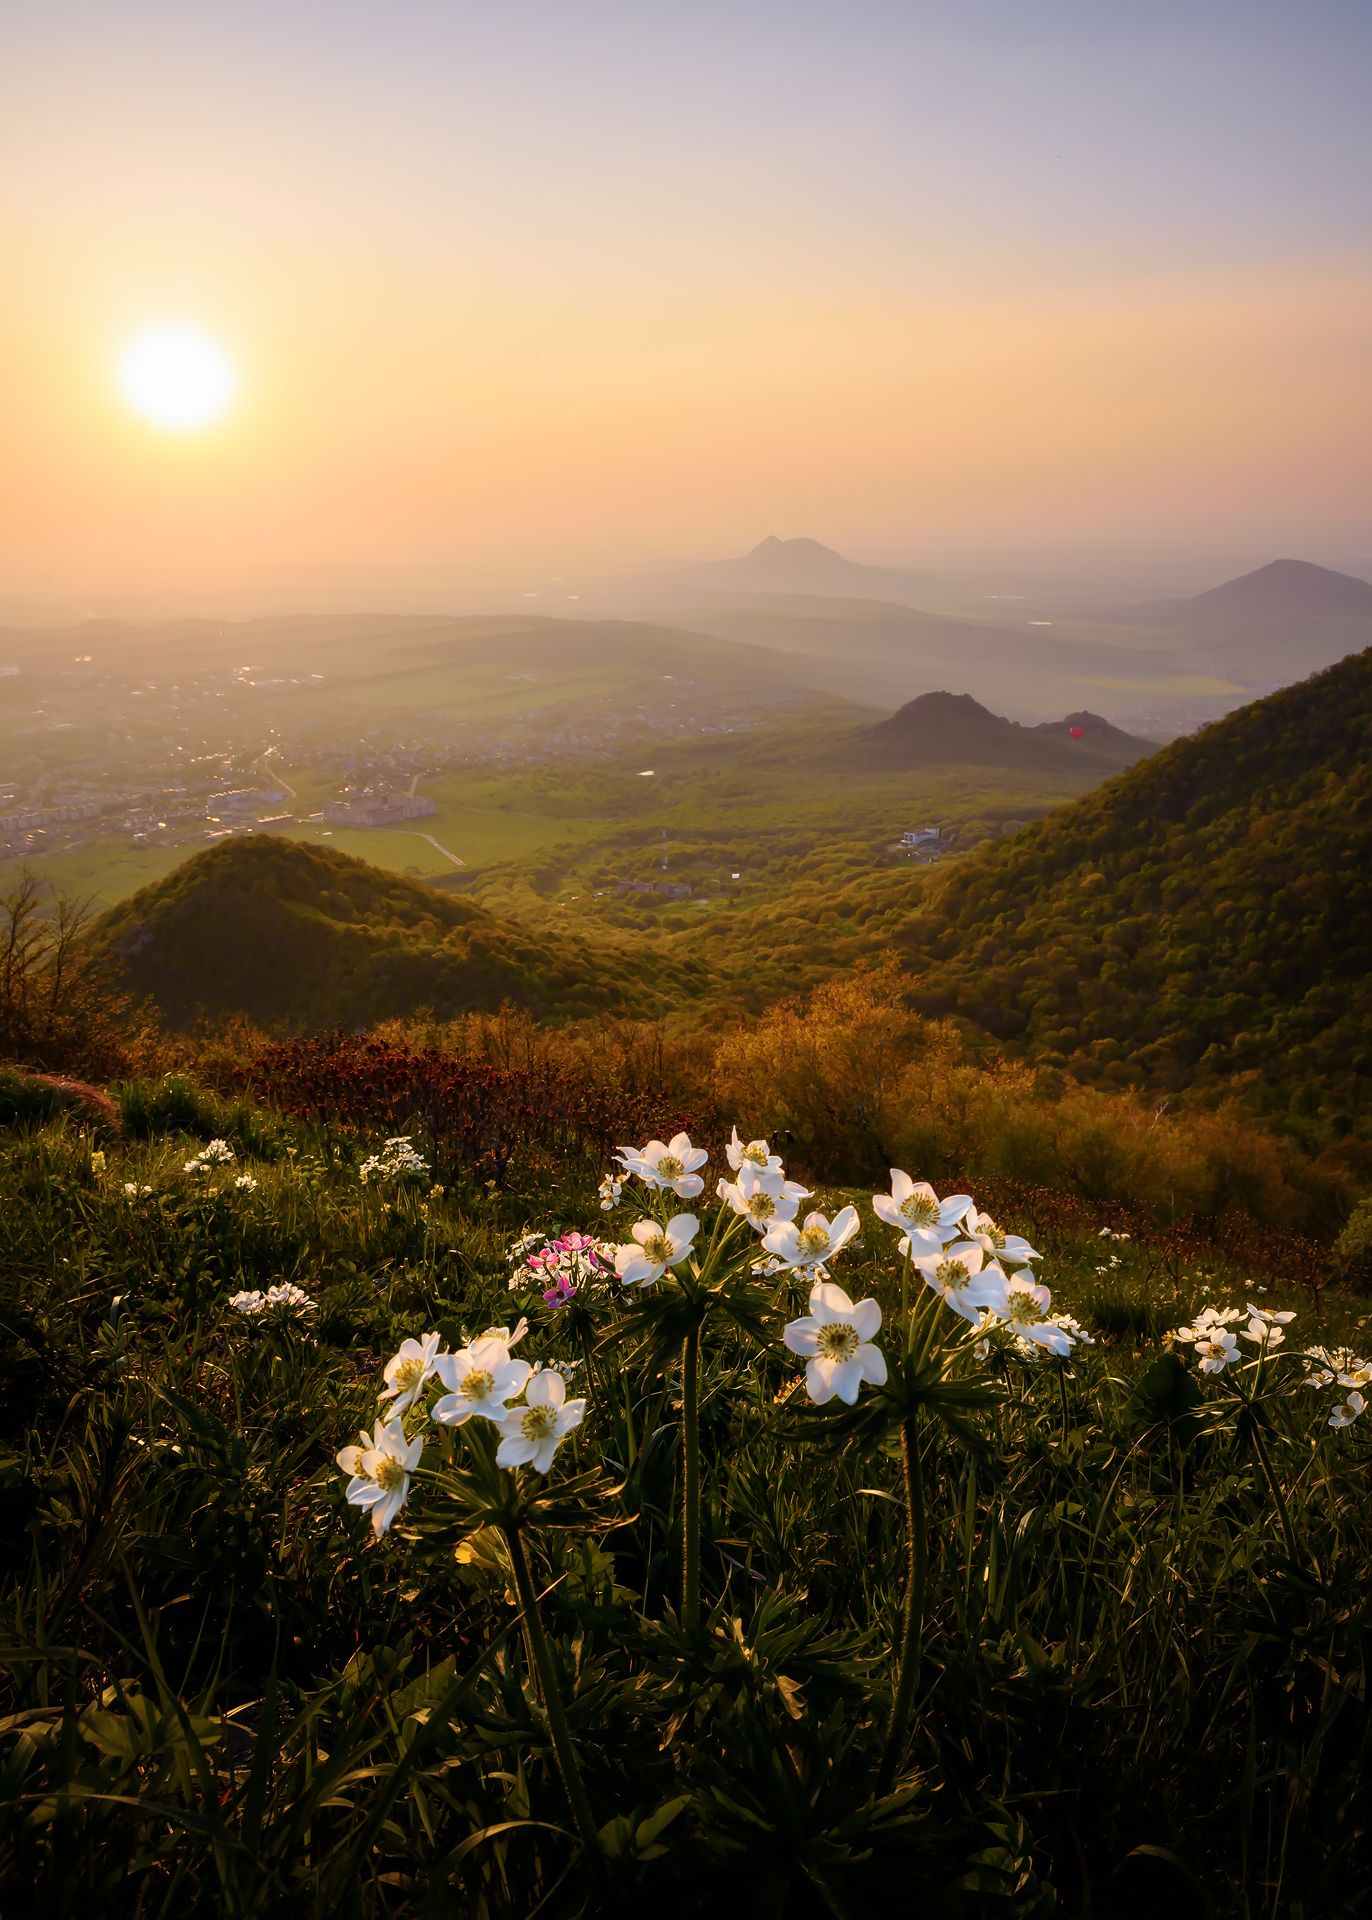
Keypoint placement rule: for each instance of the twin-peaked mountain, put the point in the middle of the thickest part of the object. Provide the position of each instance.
(942, 727)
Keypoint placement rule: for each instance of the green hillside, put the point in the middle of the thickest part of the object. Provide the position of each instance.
(1203, 918)
(306, 937)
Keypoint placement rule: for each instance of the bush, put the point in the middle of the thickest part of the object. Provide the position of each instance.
(1352, 1258)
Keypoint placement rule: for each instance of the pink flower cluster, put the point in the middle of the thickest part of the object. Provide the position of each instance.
(560, 1266)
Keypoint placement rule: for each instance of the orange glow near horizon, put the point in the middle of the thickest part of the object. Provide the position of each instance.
(459, 355)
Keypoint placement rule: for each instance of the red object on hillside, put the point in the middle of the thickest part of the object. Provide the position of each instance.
(1076, 732)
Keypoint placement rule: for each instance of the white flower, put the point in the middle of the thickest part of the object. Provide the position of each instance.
(1207, 1322)
(610, 1190)
(1348, 1412)
(968, 1282)
(1262, 1335)
(246, 1183)
(1341, 1367)
(407, 1371)
(654, 1249)
(531, 1434)
(289, 1295)
(671, 1168)
(504, 1335)
(761, 1197)
(814, 1244)
(1079, 1336)
(248, 1302)
(396, 1159)
(1026, 1313)
(1009, 1248)
(752, 1153)
(836, 1342)
(132, 1190)
(1217, 1350)
(381, 1467)
(480, 1379)
(916, 1211)
(217, 1153)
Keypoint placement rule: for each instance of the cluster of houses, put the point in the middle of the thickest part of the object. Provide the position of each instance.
(378, 810)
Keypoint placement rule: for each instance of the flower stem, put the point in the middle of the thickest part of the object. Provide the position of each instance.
(1278, 1499)
(690, 1492)
(912, 1628)
(564, 1753)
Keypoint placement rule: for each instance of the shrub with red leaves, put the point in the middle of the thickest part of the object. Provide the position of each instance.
(477, 1118)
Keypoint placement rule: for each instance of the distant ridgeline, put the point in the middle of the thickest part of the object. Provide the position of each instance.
(1205, 917)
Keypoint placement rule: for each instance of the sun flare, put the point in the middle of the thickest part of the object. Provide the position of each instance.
(177, 378)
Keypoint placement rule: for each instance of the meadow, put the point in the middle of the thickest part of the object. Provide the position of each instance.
(1048, 1619)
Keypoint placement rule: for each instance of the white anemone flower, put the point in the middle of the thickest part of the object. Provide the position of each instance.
(815, 1243)
(915, 1210)
(1208, 1322)
(531, 1434)
(1217, 1350)
(655, 1248)
(751, 1153)
(761, 1198)
(380, 1468)
(506, 1336)
(1027, 1315)
(670, 1168)
(835, 1339)
(968, 1282)
(1266, 1328)
(1010, 1249)
(1340, 1367)
(407, 1371)
(1348, 1411)
(479, 1380)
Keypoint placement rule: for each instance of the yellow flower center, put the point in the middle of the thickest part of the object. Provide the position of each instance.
(756, 1151)
(669, 1167)
(390, 1473)
(658, 1248)
(478, 1383)
(408, 1374)
(838, 1341)
(538, 1423)
(761, 1207)
(951, 1276)
(919, 1210)
(1025, 1310)
(990, 1231)
(813, 1240)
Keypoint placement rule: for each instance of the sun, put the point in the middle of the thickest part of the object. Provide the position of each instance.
(177, 378)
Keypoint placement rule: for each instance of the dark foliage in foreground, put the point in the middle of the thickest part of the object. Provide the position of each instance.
(221, 1697)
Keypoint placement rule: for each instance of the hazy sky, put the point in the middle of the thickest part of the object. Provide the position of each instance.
(579, 284)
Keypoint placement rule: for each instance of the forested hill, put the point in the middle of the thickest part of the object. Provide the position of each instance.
(1206, 915)
(301, 936)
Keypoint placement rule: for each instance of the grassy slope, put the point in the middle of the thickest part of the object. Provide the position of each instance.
(1206, 915)
(308, 937)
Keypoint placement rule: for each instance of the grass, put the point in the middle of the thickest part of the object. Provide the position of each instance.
(1129, 1622)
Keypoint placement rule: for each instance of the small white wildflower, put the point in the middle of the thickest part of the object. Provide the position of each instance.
(380, 1468)
(532, 1433)
(835, 1340)
(669, 1167)
(654, 1249)
(407, 1372)
(815, 1243)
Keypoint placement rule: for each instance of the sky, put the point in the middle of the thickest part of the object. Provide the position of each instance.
(576, 286)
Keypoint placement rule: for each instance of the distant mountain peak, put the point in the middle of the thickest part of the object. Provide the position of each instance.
(1292, 586)
(803, 547)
